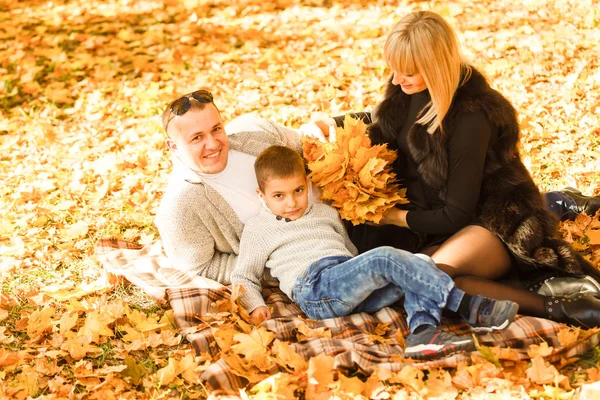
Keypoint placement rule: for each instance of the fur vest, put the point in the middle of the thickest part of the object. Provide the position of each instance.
(510, 205)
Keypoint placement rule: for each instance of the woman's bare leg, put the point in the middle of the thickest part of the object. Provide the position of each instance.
(474, 257)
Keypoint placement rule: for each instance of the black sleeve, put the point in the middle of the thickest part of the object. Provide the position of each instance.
(365, 116)
(467, 150)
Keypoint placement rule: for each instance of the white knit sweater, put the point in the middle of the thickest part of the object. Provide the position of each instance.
(287, 249)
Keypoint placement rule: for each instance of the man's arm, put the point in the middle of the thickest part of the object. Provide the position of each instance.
(190, 245)
(250, 267)
(246, 127)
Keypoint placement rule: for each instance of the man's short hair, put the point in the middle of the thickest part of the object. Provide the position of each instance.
(167, 115)
(278, 162)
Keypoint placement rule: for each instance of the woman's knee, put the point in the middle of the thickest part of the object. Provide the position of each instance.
(473, 250)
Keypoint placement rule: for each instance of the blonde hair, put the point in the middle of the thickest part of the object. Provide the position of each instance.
(278, 162)
(424, 43)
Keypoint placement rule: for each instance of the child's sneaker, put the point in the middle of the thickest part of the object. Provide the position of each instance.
(488, 315)
(432, 342)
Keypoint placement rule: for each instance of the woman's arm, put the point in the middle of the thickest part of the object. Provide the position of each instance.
(365, 116)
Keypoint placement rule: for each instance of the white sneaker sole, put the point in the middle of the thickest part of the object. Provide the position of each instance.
(434, 347)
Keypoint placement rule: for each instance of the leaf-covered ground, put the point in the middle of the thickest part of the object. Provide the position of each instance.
(82, 157)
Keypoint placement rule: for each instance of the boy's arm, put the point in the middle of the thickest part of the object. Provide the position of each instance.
(190, 246)
(250, 268)
(341, 229)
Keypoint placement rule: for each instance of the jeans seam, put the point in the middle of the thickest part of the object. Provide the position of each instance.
(425, 283)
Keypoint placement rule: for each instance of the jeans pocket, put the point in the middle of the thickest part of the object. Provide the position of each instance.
(326, 308)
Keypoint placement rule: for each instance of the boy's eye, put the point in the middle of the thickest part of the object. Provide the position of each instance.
(299, 190)
(277, 196)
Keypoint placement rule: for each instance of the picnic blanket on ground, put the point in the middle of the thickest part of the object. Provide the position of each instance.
(350, 340)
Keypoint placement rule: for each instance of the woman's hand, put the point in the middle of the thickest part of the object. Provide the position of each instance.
(259, 315)
(394, 216)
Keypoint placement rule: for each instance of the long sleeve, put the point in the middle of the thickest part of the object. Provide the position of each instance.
(467, 150)
(190, 245)
(365, 116)
(341, 229)
(251, 135)
(250, 268)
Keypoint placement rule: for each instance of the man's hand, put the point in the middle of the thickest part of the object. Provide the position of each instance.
(324, 129)
(259, 315)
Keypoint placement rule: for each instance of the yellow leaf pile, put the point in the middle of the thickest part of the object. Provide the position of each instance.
(354, 175)
(584, 235)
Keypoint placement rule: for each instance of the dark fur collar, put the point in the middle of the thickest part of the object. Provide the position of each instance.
(429, 151)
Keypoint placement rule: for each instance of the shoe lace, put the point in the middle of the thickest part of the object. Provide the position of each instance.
(486, 306)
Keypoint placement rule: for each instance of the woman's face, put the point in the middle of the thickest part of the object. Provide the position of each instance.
(410, 84)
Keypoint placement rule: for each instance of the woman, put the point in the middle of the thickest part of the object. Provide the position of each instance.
(473, 205)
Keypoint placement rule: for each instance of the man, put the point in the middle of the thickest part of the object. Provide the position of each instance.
(212, 189)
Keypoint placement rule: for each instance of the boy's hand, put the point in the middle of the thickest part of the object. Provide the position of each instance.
(259, 315)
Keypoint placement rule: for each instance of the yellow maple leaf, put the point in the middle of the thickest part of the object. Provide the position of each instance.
(188, 368)
(67, 321)
(542, 372)
(5, 339)
(287, 357)
(439, 385)
(40, 322)
(167, 374)
(278, 386)
(320, 374)
(568, 337)
(253, 347)
(143, 322)
(409, 376)
(224, 335)
(96, 325)
(9, 357)
(541, 350)
(304, 331)
(80, 347)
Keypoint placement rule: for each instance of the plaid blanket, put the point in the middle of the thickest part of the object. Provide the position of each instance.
(356, 342)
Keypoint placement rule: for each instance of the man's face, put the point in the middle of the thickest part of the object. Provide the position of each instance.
(286, 197)
(199, 138)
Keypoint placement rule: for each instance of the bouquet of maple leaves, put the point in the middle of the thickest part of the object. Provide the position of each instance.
(355, 176)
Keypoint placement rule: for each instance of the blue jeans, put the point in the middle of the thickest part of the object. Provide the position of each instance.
(339, 286)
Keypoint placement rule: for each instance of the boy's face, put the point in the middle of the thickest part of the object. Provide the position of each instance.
(199, 138)
(286, 197)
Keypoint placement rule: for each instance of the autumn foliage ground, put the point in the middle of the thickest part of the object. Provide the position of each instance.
(82, 156)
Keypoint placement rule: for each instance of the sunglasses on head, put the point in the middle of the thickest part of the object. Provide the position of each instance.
(182, 104)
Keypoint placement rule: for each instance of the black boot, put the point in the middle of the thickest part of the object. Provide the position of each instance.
(583, 203)
(581, 310)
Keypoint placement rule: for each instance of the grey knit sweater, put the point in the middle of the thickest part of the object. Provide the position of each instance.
(287, 249)
(199, 230)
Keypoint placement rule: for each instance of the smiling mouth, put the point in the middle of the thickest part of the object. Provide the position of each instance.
(213, 155)
(292, 212)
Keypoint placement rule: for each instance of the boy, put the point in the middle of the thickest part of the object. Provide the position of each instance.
(306, 247)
